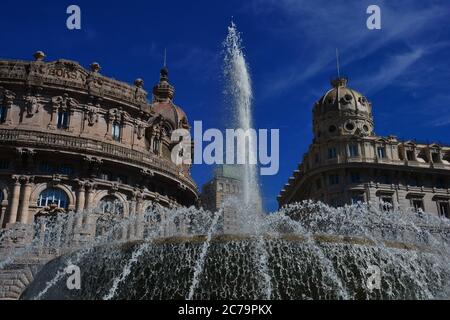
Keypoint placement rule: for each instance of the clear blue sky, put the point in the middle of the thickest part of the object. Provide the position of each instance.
(403, 68)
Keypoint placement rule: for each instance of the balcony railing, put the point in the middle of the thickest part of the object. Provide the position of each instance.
(36, 139)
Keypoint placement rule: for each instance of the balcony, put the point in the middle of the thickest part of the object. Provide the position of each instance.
(84, 145)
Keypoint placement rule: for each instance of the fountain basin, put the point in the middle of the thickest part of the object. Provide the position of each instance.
(320, 267)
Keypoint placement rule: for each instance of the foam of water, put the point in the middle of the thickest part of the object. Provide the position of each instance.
(306, 250)
(201, 261)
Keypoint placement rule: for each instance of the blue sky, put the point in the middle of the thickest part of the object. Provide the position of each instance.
(403, 68)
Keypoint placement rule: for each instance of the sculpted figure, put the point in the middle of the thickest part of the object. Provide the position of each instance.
(92, 115)
(32, 106)
(140, 130)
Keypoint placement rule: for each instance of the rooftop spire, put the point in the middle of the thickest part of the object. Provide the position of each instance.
(163, 91)
(165, 57)
(339, 81)
(337, 64)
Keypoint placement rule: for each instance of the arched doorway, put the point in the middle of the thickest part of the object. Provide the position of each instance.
(152, 220)
(52, 225)
(53, 197)
(111, 211)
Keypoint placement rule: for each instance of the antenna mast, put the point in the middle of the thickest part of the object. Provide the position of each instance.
(165, 57)
(337, 63)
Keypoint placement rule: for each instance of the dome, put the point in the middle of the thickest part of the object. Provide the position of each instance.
(341, 98)
(162, 104)
(172, 114)
(342, 111)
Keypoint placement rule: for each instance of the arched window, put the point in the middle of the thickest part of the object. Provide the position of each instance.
(152, 221)
(116, 131)
(111, 205)
(53, 196)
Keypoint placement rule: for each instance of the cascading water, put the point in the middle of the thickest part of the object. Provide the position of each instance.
(239, 94)
(312, 251)
(239, 90)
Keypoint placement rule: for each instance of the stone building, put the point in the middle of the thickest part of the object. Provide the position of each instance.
(75, 139)
(347, 162)
(226, 186)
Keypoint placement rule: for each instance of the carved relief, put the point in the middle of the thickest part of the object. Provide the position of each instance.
(118, 115)
(93, 82)
(91, 114)
(7, 97)
(33, 105)
(140, 128)
(114, 115)
(140, 96)
(64, 103)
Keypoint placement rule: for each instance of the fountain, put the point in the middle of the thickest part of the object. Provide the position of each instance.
(239, 93)
(311, 251)
(304, 251)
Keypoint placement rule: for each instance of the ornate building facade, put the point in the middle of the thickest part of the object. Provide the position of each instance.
(75, 139)
(347, 162)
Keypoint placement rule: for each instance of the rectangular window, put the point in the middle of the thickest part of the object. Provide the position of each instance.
(435, 157)
(444, 209)
(410, 155)
(4, 164)
(386, 203)
(333, 179)
(46, 167)
(357, 198)
(355, 177)
(413, 181)
(353, 150)
(122, 179)
(2, 114)
(440, 183)
(332, 153)
(418, 204)
(318, 184)
(104, 176)
(66, 170)
(116, 131)
(63, 119)
(381, 151)
(316, 158)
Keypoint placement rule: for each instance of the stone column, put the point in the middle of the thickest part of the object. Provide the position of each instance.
(139, 233)
(81, 200)
(25, 200)
(130, 235)
(90, 196)
(14, 204)
(8, 103)
(89, 219)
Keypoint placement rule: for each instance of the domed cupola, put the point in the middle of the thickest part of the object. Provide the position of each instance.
(342, 112)
(163, 104)
(163, 91)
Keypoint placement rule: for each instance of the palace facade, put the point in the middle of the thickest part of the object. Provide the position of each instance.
(347, 162)
(74, 139)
